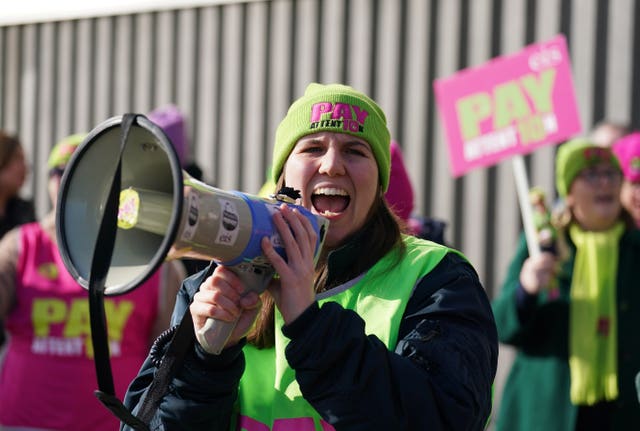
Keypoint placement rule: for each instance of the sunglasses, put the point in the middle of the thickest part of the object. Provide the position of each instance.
(595, 176)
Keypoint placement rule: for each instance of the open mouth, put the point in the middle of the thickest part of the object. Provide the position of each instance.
(330, 201)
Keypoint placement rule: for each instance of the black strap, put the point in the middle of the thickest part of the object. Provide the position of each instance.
(180, 344)
(100, 263)
(182, 339)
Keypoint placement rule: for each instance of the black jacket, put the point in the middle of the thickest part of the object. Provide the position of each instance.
(439, 377)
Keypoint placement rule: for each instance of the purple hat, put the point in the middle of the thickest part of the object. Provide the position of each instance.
(171, 121)
(399, 195)
(627, 150)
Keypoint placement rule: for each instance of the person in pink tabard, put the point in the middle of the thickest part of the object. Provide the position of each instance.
(48, 378)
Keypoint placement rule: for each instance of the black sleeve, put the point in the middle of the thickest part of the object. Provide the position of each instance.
(439, 377)
(203, 391)
(515, 310)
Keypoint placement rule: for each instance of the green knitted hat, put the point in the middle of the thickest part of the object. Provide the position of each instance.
(62, 151)
(575, 155)
(334, 108)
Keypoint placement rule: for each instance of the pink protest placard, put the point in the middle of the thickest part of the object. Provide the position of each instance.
(509, 105)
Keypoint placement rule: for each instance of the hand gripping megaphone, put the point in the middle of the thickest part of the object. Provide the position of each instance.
(162, 213)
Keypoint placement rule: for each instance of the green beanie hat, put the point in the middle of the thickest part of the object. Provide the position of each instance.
(63, 150)
(334, 108)
(575, 155)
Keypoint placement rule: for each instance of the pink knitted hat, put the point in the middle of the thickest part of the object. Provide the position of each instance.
(627, 150)
(399, 195)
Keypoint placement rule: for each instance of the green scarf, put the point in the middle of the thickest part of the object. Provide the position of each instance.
(593, 321)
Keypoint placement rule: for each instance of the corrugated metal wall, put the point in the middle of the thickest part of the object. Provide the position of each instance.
(233, 69)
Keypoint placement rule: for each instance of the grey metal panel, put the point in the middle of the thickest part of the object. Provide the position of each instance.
(360, 42)
(205, 119)
(186, 57)
(583, 39)
(447, 41)
(11, 77)
(255, 160)
(165, 40)
(123, 64)
(144, 61)
(230, 97)
(413, 124)
(619, 62)
(331, 37)
(28, 103)
(83, 81)
(507, 214)
(280, 70)
(104, 83)
(65, 71)
(388, 64)
(45, 110)
(475, 225)
(305, 44)
(542, 160)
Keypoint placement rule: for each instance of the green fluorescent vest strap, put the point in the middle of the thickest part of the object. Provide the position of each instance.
(270, 397)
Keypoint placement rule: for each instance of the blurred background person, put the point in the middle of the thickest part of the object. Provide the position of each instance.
(627, 150)
(14, 210)
(400, 197)
(606, 132)
(577, 349)
(48, 376)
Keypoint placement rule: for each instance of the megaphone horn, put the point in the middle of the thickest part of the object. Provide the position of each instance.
(163, 213)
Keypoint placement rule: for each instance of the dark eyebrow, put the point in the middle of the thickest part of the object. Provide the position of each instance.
(307, 141)
(357, 142)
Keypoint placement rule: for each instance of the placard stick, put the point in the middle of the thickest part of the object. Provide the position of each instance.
(522, 187)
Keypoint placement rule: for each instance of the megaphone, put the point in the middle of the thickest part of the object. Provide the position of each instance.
(163, 213)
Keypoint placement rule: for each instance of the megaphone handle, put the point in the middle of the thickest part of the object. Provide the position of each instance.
(215, 333)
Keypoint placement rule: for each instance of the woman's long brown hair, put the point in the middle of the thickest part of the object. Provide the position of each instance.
(379, 235)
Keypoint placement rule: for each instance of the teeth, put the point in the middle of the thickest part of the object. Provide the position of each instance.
(330, 191)
(329, 213)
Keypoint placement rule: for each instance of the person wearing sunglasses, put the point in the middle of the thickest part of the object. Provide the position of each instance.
(577, 347)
